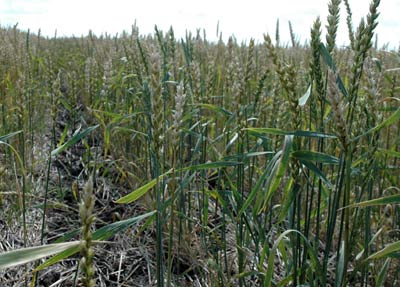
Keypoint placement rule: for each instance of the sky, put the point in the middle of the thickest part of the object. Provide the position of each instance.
(243, 19)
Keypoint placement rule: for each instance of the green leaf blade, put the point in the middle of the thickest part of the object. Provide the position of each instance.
(138, 193)
(26, 255)
(275, 131)
(314, 157)
(73, 140)
(392, 199)
(389, 250)
(103, 233)
(10, 135)
(387, 122)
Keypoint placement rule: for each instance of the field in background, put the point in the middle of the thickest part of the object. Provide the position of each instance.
(204, 164)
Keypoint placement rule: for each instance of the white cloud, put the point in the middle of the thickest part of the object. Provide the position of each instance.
(244, 19)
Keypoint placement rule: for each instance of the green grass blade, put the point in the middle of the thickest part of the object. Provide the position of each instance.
(103, 233)
(138, 193)
(270, 268)
(392, 153)
(258, 153)
(271, 258)
(283, 164)
(382, 275)
(314, 157)
(10, 135)
(311, 134)
(69, 235)
(270, 131)
(390, 120)
(269, 173)
(57, 258)
(289, 193)
(215, 109)
(327, 57)
(378, 64)
(276, 170)
(392, 199)
(340, 268)
(64, 135)
(329, 61)
(25, 255)
(256, 188)
(390, 250)
(211, 165)
(73, 140)
(317, 172)
(275, 131)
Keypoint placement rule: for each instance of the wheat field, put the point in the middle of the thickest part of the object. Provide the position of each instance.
(135, 160)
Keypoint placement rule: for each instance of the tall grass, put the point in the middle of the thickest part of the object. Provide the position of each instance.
(259, 164)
